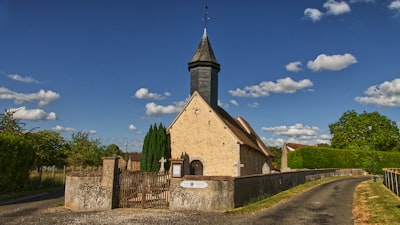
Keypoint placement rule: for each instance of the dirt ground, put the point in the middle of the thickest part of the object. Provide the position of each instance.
(60, 215)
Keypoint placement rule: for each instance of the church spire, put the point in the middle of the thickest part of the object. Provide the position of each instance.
(204, 55)
(204, 69)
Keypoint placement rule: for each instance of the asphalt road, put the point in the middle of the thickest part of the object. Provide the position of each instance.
(9, 211)
(330, 203)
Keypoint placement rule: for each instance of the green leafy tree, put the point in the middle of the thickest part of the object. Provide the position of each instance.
(9, 124)
(156, 145)
(48, 147)
(277, 151)
(84, 151)
(112, 150)
(352, 132)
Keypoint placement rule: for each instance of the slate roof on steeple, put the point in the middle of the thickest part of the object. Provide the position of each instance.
(204, 55)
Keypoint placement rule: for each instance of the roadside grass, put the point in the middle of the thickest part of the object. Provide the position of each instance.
(269, 201)
(375, 204)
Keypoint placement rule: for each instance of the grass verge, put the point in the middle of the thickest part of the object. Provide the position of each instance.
(280, 197)
(375, 204)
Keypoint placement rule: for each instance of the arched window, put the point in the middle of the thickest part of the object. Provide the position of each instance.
(196, 168)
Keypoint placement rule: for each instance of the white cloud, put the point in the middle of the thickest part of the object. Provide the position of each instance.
(294, 66)
(19, 78)
(143, 93)
(132, 127)
(331, 62)
(336, 8)
(91, 131)
(298, 133)
(42, 97)
(361, 1)
(386, 94)
(313, 14)
(32, 114)
(234, 102)
(60, 129)
(395, 5)
(275, 142)
(297, 130)
(254, 105)
(152, 109)
(285, 85)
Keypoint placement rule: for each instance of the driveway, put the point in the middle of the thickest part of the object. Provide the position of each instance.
(330, 203)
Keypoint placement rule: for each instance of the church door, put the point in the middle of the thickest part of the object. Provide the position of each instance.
(196, 168)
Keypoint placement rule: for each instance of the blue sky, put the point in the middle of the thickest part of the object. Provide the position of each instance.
(113, 68)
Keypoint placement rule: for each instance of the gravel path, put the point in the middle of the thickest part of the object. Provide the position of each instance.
(60, 215)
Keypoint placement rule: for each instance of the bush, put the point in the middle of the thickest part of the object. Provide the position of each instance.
(321, 157)
(16, 158)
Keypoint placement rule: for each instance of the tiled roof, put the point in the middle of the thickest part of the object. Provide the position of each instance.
(135, 156)
(294, 145)
(244, 132)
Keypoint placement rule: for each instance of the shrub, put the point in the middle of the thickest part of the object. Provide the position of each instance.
(16, 158)
(322, 157)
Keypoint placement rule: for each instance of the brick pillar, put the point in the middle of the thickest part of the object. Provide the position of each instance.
(109, 178)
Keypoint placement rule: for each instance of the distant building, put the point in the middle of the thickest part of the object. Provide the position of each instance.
(205, 136)
(131, 161)
(288, 147)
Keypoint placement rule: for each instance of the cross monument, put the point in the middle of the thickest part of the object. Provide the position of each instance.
(238, 166)
(162, 161)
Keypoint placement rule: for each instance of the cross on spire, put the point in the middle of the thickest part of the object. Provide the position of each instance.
(205, 18)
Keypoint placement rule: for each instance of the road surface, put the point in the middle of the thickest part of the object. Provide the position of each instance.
(329, 203)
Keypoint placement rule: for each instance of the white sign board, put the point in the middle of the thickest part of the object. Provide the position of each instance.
(193, 184)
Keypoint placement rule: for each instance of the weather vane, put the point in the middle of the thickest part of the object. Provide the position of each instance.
(205, 17)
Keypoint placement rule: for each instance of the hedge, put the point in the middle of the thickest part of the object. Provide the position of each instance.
(16, 159)
(322, 157)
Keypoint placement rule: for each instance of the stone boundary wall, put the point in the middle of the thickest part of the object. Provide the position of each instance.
(223, 193)
(202, 193)
(88, 191)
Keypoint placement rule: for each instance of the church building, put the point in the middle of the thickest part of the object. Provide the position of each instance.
(205, 137)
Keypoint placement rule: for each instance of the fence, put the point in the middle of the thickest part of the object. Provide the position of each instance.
(143, 189)
(391, 179)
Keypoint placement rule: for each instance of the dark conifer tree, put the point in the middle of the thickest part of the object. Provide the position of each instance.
(155, 146)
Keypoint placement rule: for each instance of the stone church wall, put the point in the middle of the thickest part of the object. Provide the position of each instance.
(201, 135)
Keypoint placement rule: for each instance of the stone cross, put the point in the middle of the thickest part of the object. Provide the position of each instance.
(239, 165)
(162, 161)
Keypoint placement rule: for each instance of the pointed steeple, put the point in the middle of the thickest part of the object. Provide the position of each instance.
(204, 55)
(204, 69)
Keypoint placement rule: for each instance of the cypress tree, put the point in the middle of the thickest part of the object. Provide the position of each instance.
(155, 146)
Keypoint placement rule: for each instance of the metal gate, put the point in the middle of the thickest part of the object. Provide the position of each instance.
(143, 189)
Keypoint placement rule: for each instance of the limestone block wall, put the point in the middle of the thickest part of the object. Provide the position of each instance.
(84, 192)
(93, 191)
(215, 193)
(201, 134)
(201, 193)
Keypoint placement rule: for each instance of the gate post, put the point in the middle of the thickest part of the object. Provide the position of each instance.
(110, 178)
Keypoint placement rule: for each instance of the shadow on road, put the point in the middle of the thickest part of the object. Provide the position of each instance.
(34, 198)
